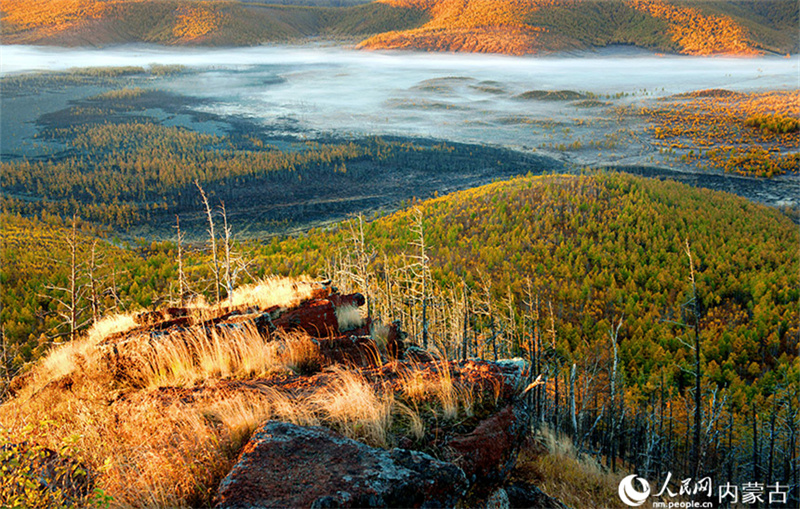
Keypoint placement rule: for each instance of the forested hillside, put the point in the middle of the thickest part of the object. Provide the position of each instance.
(601, 278)
(490, 26)
(594, 278)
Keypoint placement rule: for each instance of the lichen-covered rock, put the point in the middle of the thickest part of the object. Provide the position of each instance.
(284, 465)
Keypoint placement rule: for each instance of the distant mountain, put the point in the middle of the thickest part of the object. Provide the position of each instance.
(531, 26)
(187, 22)
(742, 27)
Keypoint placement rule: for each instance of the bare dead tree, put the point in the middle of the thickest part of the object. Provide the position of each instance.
(362, 258)
(465, 323)
(94, 291)
(229, 276)
(112, 290)
(70, 306)
(183, 287)
(213, 240)
(572, 413)
(511, 321)
(698, 397)
(5, 363)
(421, 269)
(613, 333)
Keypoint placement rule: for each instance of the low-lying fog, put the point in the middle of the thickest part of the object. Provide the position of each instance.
(468, 98)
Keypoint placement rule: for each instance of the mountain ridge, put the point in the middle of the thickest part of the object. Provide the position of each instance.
(516, 27)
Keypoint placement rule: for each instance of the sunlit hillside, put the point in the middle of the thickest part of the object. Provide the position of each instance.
(530, 26)
(605, 283)
(489, 26)
(186, 22)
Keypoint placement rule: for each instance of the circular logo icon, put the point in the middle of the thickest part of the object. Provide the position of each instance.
(630, 495)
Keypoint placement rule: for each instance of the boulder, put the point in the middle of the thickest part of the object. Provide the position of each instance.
(285, 465)
(488, 453)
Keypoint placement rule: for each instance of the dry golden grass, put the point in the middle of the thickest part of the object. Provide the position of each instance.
(168, 439)
(354, 408)
(271, 291)
(185, 358)
(349, 318)
(65, 359)
(157, 452)
(558, 470)
(451, 399)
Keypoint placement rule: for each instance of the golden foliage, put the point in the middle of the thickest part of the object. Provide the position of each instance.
(196, 20)
(53, 15)
(750, 134)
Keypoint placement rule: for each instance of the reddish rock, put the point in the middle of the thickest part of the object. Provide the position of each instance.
(161, 315)
(317, 318)
(488, 454)
(284, 465)
(418, 355)
(354, 299)
(395, 346)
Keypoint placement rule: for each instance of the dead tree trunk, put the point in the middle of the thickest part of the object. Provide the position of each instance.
(94, 293)
(229, 274)
(572, 415)
(614, 337)
(213, 240)
(465, 331)
(422, 265)
(698, 397)
(183, 287)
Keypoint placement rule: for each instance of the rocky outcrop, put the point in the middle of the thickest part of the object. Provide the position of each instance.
(285, 465)
(332, 320)
(488, 453)
(470, 419)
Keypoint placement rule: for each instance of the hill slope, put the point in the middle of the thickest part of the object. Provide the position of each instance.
(184, 22)
(547, 267)
(531, 26)
(490, 26)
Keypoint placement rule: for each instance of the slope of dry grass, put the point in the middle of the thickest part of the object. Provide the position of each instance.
(554, 465)
(162, 431)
